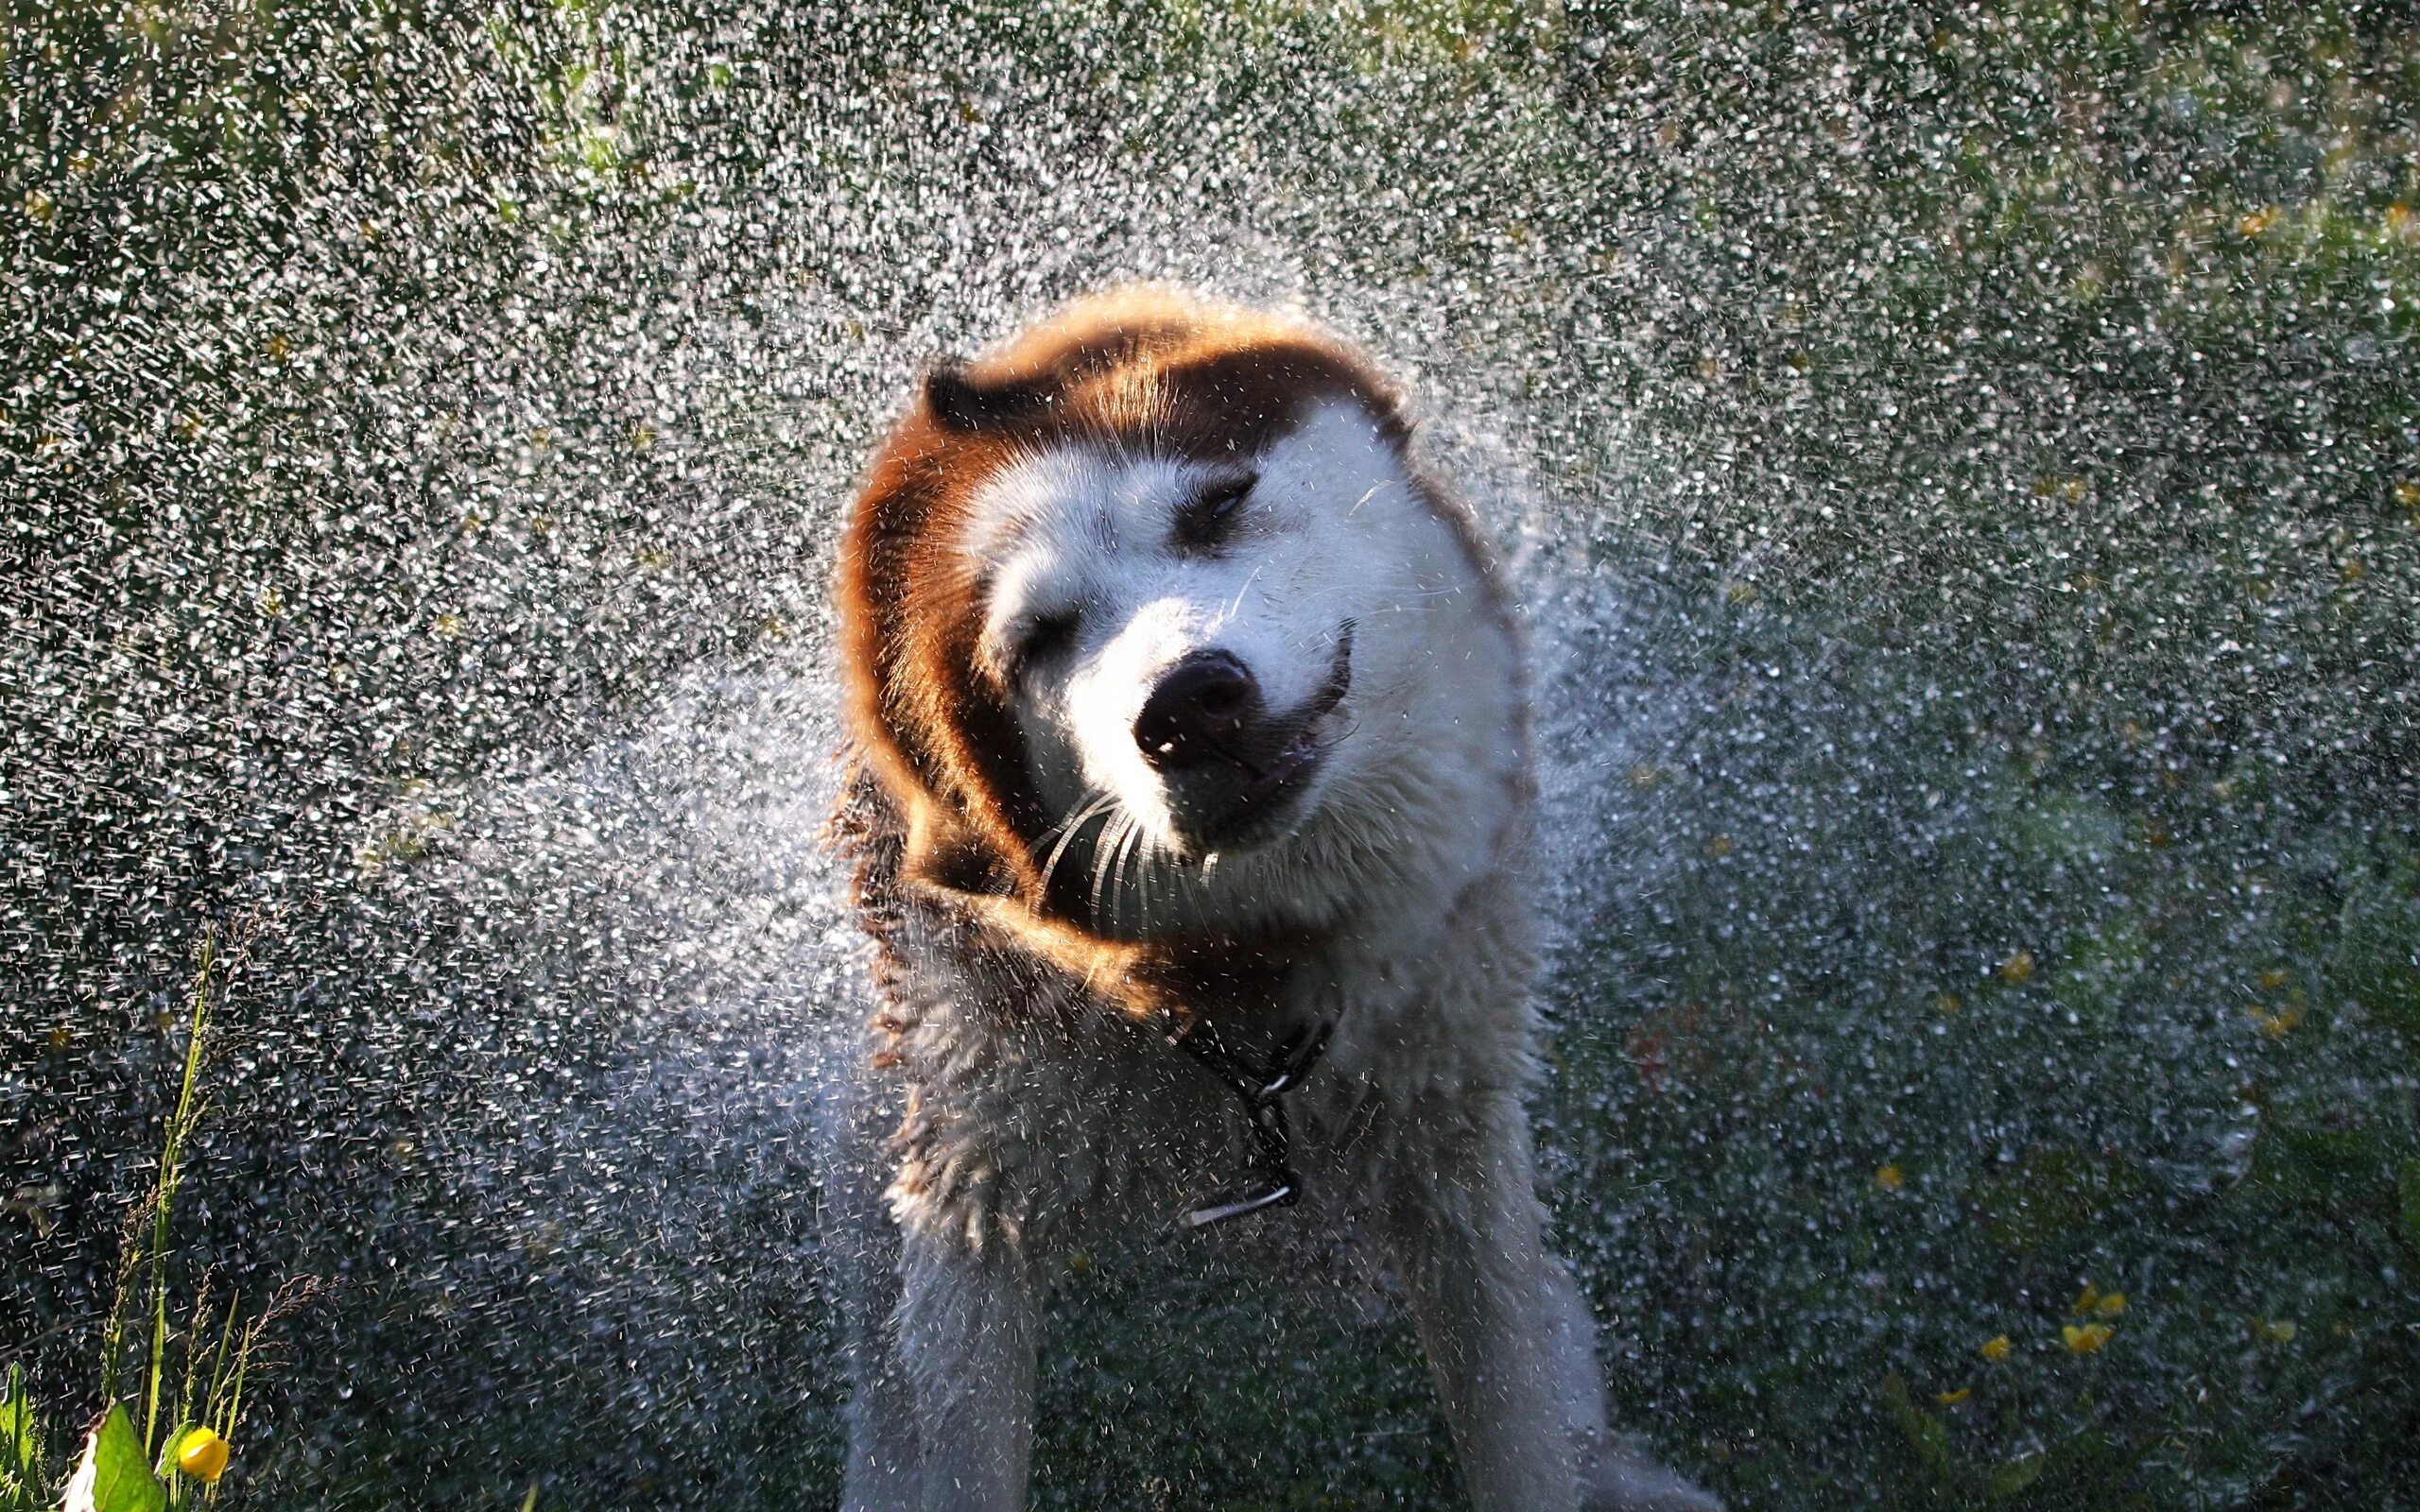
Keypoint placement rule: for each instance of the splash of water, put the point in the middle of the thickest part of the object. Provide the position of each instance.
(1961, 472)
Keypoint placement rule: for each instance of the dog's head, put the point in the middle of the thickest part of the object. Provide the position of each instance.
(1151, 623)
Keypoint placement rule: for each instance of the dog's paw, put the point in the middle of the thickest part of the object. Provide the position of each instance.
(1622, 1477)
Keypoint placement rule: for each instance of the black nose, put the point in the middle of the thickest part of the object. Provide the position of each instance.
(1198, 711)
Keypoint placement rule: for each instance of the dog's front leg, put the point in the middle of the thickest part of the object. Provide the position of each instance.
(1616, 1474)
(968, 1325)
(1464, 1232)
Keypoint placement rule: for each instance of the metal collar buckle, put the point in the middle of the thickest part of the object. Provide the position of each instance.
(1261, 1089)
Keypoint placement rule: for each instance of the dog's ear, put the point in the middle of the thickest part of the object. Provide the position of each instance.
(961, 402)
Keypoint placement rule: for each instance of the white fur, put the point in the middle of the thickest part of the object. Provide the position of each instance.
(1411, 798)
(1031, 1130)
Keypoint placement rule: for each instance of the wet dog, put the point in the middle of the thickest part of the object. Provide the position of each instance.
(1190, 817)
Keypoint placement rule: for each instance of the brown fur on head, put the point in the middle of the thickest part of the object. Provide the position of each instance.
(1139, 371)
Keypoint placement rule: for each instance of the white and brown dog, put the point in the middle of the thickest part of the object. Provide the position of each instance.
(1191, 823)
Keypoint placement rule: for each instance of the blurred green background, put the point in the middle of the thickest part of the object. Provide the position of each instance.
(1964, 465)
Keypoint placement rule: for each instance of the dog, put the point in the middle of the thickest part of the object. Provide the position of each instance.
(1189, 810)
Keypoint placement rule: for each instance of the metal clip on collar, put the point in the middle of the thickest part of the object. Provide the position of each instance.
(1261, 1089)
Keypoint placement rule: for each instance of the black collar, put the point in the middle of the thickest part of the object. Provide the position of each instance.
(1261, 1088)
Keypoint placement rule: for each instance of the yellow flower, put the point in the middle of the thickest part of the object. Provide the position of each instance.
(1890, 1178)
(2258, 221)
(2085, 1338)
(2095, 1303)
(2276, 1333)
(2276, 1026)
(202, 1454)
(1951, 1398)
(1998, 1349)
(2017, 967)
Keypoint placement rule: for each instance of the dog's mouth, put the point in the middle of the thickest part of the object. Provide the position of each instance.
(1256, 786)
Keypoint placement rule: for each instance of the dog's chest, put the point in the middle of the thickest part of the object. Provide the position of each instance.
(1038, 1112)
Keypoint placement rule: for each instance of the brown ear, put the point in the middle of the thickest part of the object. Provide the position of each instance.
(960, 401)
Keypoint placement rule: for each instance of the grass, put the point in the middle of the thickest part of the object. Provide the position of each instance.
(193, 1373)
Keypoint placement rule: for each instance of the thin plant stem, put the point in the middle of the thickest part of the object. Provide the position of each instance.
(243, 1362)
(219, 1363)
(195, 1330)
(171, 1158)
(129, 1260)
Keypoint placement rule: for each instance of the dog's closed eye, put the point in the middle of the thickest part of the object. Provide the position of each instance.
(1205, 522)
(1035, 638)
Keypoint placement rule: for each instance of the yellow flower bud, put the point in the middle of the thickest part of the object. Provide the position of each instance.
(2086, 1338)
(202, 1454)
(2000, 1348)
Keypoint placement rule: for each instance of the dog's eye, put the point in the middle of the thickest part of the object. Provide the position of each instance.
(1205, 520)
(1037, 640)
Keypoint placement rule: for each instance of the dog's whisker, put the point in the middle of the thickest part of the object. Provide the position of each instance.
(1117, 874)
(1104, 850)
(1147, 881)
(1235, 605)
(1138, 889)
(1071, 828)
(1093, 799)
(1155, 879)
(1117, 893)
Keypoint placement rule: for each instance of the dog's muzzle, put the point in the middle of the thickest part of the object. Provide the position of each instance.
(1232, 768)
